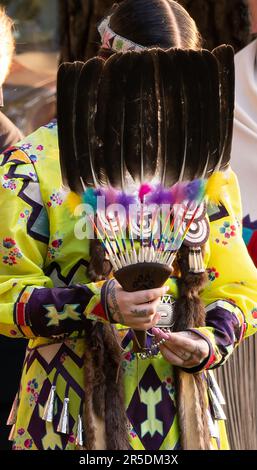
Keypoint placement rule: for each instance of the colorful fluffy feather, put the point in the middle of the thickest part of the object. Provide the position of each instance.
(72, 201)
(215, 186)
(89, 197)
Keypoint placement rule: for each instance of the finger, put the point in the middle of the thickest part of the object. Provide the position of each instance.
(176, 360)
(170, 356)
(155, 320)
(161, 334)
(188, 353)
(180, 348)
(143, 327)
(197, 346)
(144, 310)
(146, 296)
(186, 350)
(181, 342)
(183, 355)
(142, 323)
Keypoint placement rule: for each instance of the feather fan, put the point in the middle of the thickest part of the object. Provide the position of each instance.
(87, 144)
(191, 101)
(212, 111)
(171, 109)
(148, 119)
(154, 114)
(108, 125)
(202, 93)
(132, 138)
(114, 97)
(141, 118)
(225, 58)
(67, 81)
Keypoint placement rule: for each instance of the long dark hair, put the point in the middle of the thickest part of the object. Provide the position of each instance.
(159, 23)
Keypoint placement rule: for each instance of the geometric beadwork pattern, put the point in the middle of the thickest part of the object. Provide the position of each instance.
(58, 370)
(217, 212)
(152, 412)
(37, 226)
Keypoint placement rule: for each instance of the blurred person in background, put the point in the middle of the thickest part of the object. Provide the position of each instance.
(9, 133)
(244, 154)
(12, 352)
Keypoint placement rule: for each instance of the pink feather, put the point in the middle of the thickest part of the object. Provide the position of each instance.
(111, 196)
(143, 191)
(179, 193)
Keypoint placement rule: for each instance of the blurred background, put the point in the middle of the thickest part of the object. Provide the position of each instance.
(51, 31)
(29, 91)
(48, 32)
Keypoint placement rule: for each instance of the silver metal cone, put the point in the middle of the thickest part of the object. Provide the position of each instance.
(13, 413)
(48, 413)
(63, 425)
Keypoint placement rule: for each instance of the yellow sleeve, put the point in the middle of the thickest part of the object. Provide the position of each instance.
(230, 296)
(30, 305)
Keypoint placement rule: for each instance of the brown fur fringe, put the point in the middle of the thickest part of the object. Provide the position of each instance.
(115, 413)
(89, 428)
(104, 396)
(189, 313)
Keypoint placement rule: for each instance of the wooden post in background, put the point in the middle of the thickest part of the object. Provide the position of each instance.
(79, 39)
(238, 381)
(219, 21)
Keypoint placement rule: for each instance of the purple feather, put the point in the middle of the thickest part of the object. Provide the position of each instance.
(160, 196)
(110, 195)
(126, 200)
(192, 190)
(99, 192)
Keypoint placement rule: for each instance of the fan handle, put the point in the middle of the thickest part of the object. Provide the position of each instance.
(142, 276)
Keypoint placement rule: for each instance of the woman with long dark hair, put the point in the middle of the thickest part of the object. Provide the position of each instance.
(83, 383)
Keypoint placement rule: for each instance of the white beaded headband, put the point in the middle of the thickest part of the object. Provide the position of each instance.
(111, 40)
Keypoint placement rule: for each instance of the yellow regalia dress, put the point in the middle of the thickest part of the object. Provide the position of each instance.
(45, 295)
